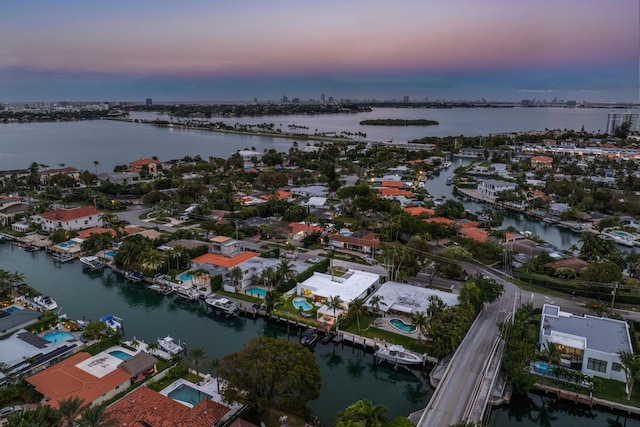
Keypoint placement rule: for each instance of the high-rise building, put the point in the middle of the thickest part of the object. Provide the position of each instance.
(615, 120)
(322, 98)
(149, 102)
(285, 99)
(405, 99)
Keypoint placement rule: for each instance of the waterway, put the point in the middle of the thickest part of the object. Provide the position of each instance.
(348, 374)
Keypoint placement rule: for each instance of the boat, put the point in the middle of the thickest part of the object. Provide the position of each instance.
(450, 180)
(225, 305)
(398, 355)
(61, 257)
(309, 337)
(161, 288)
(92, 263)
(187, 292)
(327, 338)
(45, 302)
(114, 323)
(170, 345)
(134, 276)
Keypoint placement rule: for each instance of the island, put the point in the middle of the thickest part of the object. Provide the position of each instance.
(399, 122)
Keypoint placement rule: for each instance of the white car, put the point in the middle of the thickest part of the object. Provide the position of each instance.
(8, 410)
(314, 260)
(370, 259)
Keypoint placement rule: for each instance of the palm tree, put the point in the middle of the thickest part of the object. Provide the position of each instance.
(631, 365)
(215, 364)
(267, 276)
(108, 219)
(375, 303)
(70, 409)
(420, 321)
(95, 416)
(573, 248)
(153, 260)
(551, 354)
(196, 357)
(363, 413)
(357, 307)
(334, 303)
(271, 299)
(96, 164)
(285, 270)
(236, 274)
(152, 347)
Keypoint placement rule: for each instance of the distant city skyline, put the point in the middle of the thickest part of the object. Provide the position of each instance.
(197, 51)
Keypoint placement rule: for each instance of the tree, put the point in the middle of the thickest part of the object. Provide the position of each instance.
(631, 365)
(375, 303)
(551, 354)
(236, 275)
(356, 307)
(70, 409)
(420, 321)
(335, 303)
(363, 413)
(271, 299)
(197, 356)
(285, 270)
(271, 373)
(95, 416)
(96, 164)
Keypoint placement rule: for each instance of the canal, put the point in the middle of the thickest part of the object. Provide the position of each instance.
(348, 374)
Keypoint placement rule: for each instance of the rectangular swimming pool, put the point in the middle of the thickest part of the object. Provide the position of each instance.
(187, 394)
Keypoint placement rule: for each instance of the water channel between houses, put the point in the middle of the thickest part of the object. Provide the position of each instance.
(348, 374)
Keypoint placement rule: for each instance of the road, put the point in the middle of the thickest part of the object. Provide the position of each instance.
(131, 216)
(455, 391)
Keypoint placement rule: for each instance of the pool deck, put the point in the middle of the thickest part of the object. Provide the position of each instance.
(383, 323)
(209, 386)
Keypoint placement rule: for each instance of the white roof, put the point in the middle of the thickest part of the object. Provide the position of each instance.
(567, 340)
(409, 298)
(348, 287)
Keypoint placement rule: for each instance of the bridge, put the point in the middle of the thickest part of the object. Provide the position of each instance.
(465, 388)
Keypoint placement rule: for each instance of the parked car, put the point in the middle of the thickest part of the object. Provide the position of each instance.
(8, 410)
(314, 260)
(370, 259)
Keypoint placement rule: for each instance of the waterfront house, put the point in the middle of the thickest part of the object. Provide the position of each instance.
(405, 299)
(493, 187)
(94, 379)
(9, 208)
(24, 352)
(146, 407)
(152, 166)
(588, 343)
(70, 219)
(123, 178)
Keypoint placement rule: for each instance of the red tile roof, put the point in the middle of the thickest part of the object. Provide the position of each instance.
(476, 234)
(542, 159)
(144, 405)
(467, 224)
(440, 220)
(223, 261)
(368, 240)
(65, 215)
(396, 184)
(281, 194)
(64, 380)
(296, 228)
(419, 210)
(390, 192)
(84, 234)
(144, 161)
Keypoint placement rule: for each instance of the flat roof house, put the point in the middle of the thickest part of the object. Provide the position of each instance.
(590, 342)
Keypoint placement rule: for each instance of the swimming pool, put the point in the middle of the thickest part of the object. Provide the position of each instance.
(58, 336)
(66, 244)
(542, 368)
(11, 310)
(185, 276)
(257, 291)
(301, 303)
(110, 253)
(187, 394)
(120, 354)
(400, 325)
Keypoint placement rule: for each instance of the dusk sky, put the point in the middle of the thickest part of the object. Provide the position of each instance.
(583, 50)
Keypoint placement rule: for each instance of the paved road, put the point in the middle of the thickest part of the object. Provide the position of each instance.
(131, 216)
(455, 391)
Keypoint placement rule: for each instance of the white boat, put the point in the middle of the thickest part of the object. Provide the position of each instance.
(187, 292)
(92, 262)
(170, 345)
(45, 302)
(114, 323)
(224, 304)
(134, 276)
(397, 354)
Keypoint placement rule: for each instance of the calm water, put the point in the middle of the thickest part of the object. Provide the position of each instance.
(348, 374)
(112, 143)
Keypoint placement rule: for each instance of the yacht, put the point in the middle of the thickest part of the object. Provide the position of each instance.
(398, 355)
(45, 302)
(92, 263)
(309, 337)
(134, 276)
(170, 345)
(223, 304)
(187, 292)
(114, 323)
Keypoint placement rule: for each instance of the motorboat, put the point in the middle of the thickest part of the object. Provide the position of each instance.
(134, 276)
(92, 263)
(225, 305)
(45, 302)
(61, 257)
(170, 345)
(309, 337)
(187, 292)
(114, 323)
(398, 355)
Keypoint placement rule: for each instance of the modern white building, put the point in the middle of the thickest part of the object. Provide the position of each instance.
(615, 120)
(402, 298)
(492, 187)
(354, 284)
(592, 343)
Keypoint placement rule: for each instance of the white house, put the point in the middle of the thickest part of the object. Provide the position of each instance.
(491, 187)
(354, 284)
(70, 219)
(593, 343)
(406, 299)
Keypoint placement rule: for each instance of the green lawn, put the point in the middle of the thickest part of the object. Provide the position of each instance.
(241, 297)
(611, 390)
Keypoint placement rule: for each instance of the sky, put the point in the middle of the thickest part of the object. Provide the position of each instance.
(203, 50)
